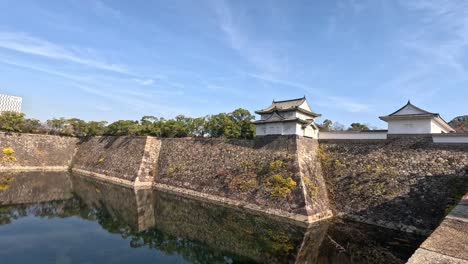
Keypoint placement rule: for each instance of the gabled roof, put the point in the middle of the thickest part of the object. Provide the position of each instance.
(410, 106)
(410, 111)
(288, 105)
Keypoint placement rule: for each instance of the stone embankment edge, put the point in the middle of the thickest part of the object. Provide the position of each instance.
(115, 180)
(33, 168)
(297, 219)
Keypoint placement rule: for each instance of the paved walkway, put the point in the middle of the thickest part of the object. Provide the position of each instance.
(449, 242)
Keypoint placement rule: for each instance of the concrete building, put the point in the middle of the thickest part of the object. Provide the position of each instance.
(411, 119)
(289, 117)
(10, 103)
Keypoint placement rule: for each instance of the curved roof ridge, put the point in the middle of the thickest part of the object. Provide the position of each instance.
(412, 105)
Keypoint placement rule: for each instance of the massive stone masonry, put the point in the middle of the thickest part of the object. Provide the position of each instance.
(406, 183)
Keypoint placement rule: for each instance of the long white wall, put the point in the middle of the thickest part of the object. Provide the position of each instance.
(450, 139)
(353, 135)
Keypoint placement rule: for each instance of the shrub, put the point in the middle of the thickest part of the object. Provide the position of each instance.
(276, 165)
(280, 186)
(8, 154)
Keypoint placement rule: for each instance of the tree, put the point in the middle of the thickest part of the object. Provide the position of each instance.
(151, 125)
(326, 125)
(57, 126)
(76, 127)
(197, 127)
(11, 121)
(96, 128)
(123, 128)
(358, 127)
(31, 125)
(243, 118)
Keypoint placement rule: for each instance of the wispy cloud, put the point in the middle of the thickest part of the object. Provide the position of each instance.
(260, 55)
(283, 82)
(437, 47)
(137, 100)
(24, 43)
(101, 8)
(144, 82)
(344, 103)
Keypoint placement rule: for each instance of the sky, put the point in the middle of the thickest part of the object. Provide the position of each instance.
(353, 60)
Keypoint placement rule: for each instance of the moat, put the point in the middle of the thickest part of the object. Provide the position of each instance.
(54, 217)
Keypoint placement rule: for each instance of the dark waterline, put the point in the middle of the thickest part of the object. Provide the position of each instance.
(62, 218)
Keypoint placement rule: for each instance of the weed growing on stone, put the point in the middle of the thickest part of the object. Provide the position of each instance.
(8, 154)
(174, 169)
(281, 187)
(243, 185)
(275, 165)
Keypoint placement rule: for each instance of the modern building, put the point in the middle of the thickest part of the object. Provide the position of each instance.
(10, 103)
(289, 117)
(411, 119)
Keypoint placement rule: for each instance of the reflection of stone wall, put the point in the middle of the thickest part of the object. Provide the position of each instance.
(404, 183)
(244, 170)
(34, 187)
(36, 151)
(127, 158)
(133, 207)
(235, 231)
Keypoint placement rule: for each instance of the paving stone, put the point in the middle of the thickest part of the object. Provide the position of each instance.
(422, 256)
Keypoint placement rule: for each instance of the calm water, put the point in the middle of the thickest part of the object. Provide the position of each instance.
(62, 218)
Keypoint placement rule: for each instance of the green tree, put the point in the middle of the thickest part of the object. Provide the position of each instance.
(76, 127)
(11, 121)
(358, 127)
(197, 126)
(31, 125)
(243, 118)
(96, 128)
(58, 126)
(123, 127)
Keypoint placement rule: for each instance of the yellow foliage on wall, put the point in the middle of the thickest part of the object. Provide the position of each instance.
(280, 186)
(8, 154)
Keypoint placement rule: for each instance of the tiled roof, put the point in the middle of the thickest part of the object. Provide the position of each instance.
(287, 105)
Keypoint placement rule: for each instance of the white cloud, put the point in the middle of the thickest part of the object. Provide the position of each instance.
(344, 103)
(289, 83)
(22, 42)
(258, 53)
(144, 82)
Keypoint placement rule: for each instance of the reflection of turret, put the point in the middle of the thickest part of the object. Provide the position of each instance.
(122, 203)
(34, 187)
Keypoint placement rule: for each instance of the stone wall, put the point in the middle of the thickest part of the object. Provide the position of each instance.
(35, 152)
(132, 159)
(404, 183)
(265, 172)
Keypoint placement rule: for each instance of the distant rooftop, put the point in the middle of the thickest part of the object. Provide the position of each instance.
(288, 105)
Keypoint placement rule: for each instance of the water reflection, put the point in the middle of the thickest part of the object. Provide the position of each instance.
(174, 229)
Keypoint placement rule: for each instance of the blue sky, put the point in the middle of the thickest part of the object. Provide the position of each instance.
(354, 60)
